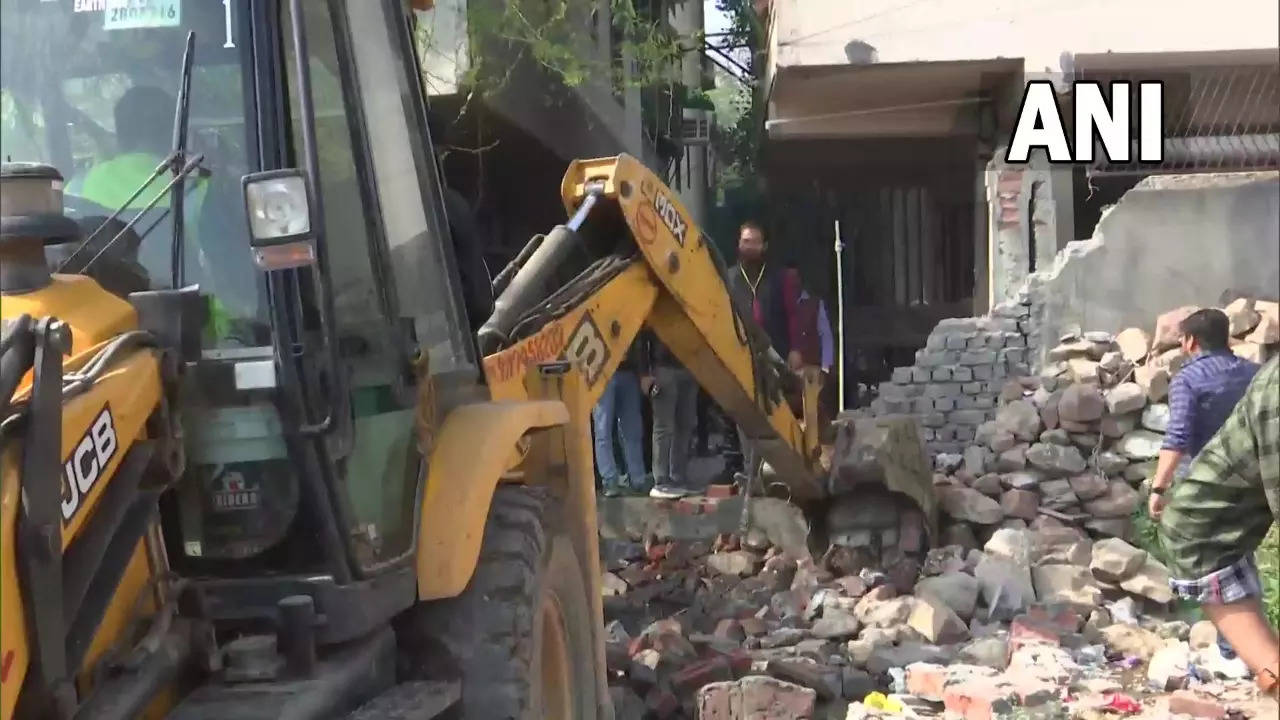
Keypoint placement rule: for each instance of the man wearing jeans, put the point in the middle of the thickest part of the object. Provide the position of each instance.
(674, 393)
(1218, 514)
(619, 410)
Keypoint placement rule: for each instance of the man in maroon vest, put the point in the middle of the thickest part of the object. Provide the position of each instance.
(769, 293)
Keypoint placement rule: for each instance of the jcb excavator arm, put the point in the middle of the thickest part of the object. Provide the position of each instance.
(648, 265)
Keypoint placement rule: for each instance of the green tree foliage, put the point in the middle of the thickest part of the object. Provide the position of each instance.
(739, 106)
(561, 36)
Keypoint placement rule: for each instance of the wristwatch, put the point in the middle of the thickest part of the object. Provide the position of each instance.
(1158, 490)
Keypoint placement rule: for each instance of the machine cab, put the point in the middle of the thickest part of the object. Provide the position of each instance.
(312, 223)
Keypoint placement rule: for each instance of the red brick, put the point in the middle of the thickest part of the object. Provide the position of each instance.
(657, 552)
(701, 672)
(1062, 617)
(926, 680)
(980, 699)
(719, 490)
(1027, 630)
(1190, 703)
(740, 661)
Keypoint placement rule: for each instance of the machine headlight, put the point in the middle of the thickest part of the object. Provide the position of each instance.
(278, 207)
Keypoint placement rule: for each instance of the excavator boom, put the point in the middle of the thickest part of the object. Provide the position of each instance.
(663, 273)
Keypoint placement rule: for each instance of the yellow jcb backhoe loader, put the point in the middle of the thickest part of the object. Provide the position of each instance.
(269, 448)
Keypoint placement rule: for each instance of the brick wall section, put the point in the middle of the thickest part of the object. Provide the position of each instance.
(955, 383)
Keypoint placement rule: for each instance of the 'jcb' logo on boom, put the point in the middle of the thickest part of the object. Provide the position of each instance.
(670, 216)
(587, 349)
(87, 462)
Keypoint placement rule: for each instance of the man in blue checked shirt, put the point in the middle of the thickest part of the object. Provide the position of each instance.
(1201, 397)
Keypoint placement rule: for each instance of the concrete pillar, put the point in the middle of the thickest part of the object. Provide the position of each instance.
(687, 20)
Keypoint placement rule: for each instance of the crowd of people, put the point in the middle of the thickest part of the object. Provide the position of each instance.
(799, 330)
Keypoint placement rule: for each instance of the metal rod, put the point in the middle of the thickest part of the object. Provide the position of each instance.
(579, 217)
(839, 248)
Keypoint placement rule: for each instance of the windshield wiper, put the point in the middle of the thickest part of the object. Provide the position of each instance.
(182, 115)
(178, 163)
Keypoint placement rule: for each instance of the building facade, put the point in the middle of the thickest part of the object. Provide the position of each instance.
(894, 117)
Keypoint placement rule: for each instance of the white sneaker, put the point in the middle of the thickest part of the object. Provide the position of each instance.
(667, 491)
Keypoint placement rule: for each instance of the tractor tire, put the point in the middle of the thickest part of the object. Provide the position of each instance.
(519, 637)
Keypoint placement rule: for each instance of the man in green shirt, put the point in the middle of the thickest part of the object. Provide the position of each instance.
(144, 137)
(1219, 514)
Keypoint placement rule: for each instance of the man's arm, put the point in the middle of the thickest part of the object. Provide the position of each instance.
(1177, 440)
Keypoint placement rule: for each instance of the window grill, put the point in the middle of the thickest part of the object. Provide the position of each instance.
(1216, 119)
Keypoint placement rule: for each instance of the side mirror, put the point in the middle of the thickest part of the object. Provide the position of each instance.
(278, 207)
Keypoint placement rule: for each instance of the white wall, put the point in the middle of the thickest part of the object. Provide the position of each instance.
(815, 32)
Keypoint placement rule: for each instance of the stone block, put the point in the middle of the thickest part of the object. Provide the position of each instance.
(995, 341)
(755, 696)
(977, 342)
(1154, 381)
(971, 418)
(922, 405)
(933, 420)
(1081, 403)
(920, 374)
(941, 374)
(964, 433)
(1113, 560)
(945, 404)
(1020, 504)
(962, 374)
(978, 357)
(1266, 333)
(1013, 356)
(902, 376)
(1167, 334)
(897, 407)
(973, 388)
(958, 341)
(942, 390)
(981, 372)
(931, 359)
(1066, 584)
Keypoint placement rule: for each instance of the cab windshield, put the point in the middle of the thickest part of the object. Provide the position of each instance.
(89, 87)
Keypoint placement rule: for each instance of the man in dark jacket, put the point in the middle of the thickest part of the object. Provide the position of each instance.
(770, 295)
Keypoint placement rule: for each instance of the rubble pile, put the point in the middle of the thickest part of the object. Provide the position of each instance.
(1073, 445)
(1041, 621)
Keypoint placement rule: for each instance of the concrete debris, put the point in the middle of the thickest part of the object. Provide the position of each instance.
(996, 574)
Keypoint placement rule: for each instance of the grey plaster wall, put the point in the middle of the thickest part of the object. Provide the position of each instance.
(1169, 242)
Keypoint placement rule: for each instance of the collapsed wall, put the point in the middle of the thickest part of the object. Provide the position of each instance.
(1172, 241)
